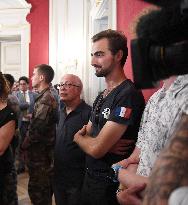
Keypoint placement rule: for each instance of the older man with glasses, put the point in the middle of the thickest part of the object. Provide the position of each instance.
(69, 162)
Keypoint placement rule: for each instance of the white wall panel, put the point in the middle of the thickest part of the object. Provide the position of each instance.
(11, 58)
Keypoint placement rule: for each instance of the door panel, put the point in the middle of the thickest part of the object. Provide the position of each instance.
(11, 58)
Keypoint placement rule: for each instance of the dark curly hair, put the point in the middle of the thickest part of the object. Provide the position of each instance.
(26, 79)
(10, 79)
(4, 87)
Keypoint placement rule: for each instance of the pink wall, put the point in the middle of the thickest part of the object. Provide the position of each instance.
(39, 20)
(127, 11)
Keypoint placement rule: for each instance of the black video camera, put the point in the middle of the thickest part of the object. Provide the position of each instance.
(161, 52)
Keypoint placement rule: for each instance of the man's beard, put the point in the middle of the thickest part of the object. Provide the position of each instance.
(102, 73)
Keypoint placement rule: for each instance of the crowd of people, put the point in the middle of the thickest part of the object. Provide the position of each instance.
(116, 152)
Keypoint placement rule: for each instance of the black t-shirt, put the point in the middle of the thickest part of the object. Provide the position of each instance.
(6, 160)
(124, 105)
(6, 115)
(69, 158)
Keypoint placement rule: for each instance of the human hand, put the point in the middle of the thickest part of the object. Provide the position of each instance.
(122, 146)
(28, 116)
(81, 132)
(124, 163)
(131, 196)
(132, 168)
(128, 178)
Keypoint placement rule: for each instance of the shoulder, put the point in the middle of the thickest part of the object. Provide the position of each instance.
(128, 88)
(47, 98)
(6, 115)
(86, 106)
(16, 93)
(128, 92)
(32, 93)
(12, 99)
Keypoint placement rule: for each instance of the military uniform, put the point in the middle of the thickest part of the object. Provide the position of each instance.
(40, 148)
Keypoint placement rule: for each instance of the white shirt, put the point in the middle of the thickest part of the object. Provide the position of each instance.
(161, 115)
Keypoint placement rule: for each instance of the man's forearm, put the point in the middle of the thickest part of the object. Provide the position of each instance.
(87, 144)
(99, 145)
(170, 170)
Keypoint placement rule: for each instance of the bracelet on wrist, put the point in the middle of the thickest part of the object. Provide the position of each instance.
(116, 168)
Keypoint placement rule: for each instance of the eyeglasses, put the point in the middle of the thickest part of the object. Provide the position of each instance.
(67, 85)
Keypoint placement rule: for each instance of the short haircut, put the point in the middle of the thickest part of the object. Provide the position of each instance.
(76, 80)
(26, 79)
(10, 79)
(47, 71)
(4, 87)
(117, 41)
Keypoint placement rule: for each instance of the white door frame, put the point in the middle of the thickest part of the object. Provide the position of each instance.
(85, 21)
(102, 16)
(13, 23)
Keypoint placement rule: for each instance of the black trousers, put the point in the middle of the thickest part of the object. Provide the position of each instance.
(99, 190)
(68, 196)
(8, 188)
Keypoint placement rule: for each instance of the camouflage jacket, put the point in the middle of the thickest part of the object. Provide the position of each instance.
(42, 129)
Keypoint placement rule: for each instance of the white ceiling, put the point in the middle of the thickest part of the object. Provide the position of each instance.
(10, 4)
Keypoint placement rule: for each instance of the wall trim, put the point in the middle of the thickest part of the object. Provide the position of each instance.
(13, 23)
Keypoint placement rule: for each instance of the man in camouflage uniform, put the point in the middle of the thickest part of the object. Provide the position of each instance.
(41, 138)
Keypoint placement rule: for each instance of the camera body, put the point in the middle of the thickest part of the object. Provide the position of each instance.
(151, 62)
(158, 58)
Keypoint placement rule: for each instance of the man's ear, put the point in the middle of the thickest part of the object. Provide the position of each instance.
(41, 77)
(119, 55)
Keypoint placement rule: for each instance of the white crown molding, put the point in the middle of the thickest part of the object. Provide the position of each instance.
(13, 13)
(14, 4)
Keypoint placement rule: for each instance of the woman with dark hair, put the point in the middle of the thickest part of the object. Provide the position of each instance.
(7, 130)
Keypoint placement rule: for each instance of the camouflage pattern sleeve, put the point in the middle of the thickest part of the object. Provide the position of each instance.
(171, 168)
(43, 123)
